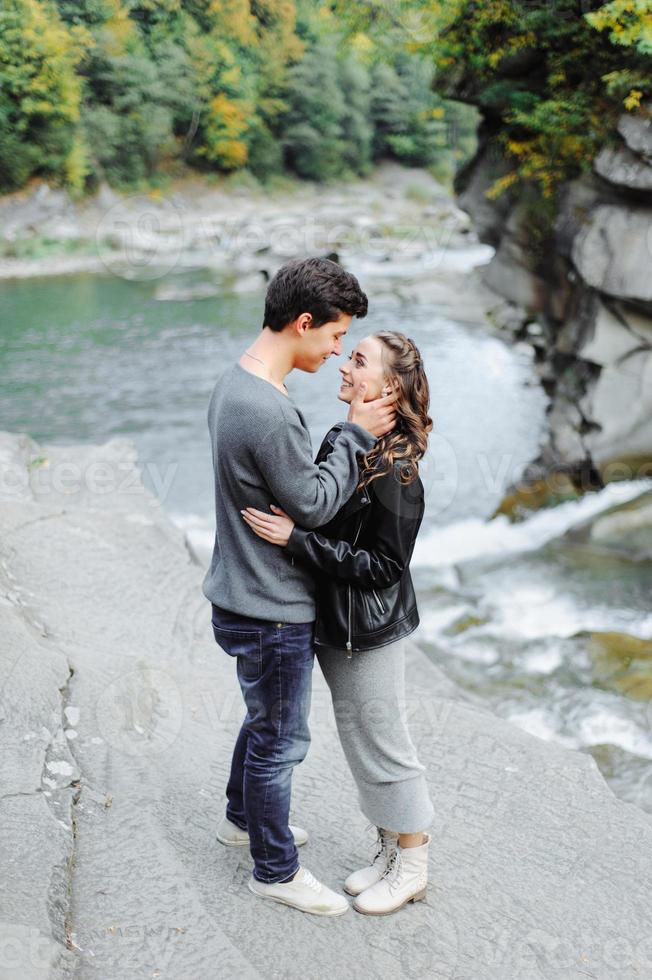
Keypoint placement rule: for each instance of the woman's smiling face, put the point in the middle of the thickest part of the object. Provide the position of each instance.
(364, 364)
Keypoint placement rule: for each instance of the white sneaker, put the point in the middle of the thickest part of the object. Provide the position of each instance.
(386, 842)
(405, 880)
(230, 834)
(302, 892)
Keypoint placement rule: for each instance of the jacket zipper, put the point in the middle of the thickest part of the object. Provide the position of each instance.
(377, 598)
(348, 642)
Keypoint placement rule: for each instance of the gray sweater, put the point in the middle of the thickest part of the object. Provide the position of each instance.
(262, 454)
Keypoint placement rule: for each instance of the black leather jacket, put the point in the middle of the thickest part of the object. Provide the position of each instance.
(360, 559)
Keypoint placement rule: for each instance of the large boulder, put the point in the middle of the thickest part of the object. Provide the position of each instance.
(622, 167)
(472, 183)
(627, 530)
(620, 403)
(613, 251)
(637, 133)
(509, 272)
(616, 333)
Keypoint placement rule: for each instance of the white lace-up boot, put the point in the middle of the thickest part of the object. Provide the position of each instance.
(230, 834)
(386, 842)
(405, 880)
(302, 892)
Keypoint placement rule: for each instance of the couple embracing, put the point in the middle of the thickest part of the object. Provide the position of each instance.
(312, 558)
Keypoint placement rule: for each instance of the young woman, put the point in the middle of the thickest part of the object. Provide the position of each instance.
(366, 606)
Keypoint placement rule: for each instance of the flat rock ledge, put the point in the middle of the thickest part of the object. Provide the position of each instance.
(117, 720)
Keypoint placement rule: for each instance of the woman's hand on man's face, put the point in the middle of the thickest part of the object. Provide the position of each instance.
(275, 528)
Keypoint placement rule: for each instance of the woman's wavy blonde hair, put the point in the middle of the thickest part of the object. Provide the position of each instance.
(402, 365)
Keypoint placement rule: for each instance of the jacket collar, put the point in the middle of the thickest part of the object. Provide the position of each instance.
(359, 498)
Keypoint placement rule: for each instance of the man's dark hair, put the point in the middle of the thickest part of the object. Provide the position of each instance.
(317, 286)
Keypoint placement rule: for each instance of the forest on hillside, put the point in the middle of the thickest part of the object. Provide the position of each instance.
(125, 90)
(119, 90)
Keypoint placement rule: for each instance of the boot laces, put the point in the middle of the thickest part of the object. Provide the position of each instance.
(394, 868)
(383, 843)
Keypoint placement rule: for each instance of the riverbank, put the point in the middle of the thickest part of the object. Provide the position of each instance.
(399, 230)
(120, 713)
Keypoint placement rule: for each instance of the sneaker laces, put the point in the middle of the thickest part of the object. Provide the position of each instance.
(308, 878)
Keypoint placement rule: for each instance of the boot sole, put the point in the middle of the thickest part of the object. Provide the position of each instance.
(291, 905)
(419, 897)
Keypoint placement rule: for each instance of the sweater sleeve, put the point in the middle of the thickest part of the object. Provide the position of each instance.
(398, 513)
(311, 493)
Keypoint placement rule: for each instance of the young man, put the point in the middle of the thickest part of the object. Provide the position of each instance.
(263, 605)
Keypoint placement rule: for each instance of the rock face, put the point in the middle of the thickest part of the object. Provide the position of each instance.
(624, 169)
(621, 395)
(592, 296)
(119, 715)
(613, 252)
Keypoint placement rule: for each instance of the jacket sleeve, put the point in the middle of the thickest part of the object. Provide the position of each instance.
(398, 512)
(311, 493)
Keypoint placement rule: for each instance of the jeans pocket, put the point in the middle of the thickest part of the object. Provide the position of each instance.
(246, 645)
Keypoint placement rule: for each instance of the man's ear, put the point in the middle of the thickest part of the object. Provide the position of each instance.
(303, 322)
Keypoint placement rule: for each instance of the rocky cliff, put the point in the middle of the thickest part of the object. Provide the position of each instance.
(585, 303)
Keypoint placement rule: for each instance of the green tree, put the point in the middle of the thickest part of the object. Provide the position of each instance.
(356, 124)
(548, 82)
(312, 130)
(40, 94)
(120, 89)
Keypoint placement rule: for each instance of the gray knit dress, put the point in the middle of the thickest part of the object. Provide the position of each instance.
(368, 692)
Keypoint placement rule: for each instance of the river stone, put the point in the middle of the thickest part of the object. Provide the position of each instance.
(577, 199)
(629, 529)
(620, 402)
(613, 252)
(508, 273)
(537, 871)
(637, 133)
(637, 322)
(611, 338)
(488, 215)
(620, 166)
(565, 420)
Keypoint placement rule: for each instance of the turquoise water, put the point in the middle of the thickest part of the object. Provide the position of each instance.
(84, 358)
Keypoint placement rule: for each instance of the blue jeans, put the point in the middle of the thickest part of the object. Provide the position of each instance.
(274, 666)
